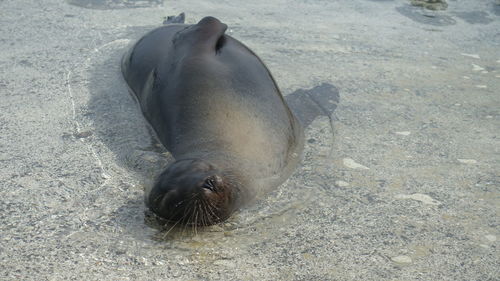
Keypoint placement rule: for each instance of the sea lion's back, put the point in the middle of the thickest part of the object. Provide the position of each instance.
(143, 57)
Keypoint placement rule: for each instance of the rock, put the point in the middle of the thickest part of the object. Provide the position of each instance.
(349, 163)
(426, 199)
(402, 259)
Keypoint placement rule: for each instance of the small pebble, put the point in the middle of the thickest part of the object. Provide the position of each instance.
(403, 133)
(476, 67)
(401, 259)
(150, 158)
(475, 56)
(467, 161)
(341, 183)
(226, 263)
(349, 163)
(84, 134)
(491, 238)
(158, 262)
(426, 199)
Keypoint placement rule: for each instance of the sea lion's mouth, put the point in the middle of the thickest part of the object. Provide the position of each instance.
(198, 211)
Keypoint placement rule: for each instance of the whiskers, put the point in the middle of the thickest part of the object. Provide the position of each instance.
(197, 214)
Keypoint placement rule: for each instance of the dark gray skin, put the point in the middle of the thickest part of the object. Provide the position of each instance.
(215, 106)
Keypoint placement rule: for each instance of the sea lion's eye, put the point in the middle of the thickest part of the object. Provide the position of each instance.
(209, 184)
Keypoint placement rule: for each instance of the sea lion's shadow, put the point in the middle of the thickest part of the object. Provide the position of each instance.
(120, 126)
(118, 121)
(307, 104)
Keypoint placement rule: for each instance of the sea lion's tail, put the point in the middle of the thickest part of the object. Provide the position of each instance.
(175, 19)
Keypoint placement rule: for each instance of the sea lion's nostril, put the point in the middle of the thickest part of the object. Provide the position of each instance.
(220, 43)
(210, 184)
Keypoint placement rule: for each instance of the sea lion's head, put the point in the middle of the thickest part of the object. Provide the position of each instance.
(193, 192)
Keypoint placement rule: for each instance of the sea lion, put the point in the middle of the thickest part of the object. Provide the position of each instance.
(217, 109)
